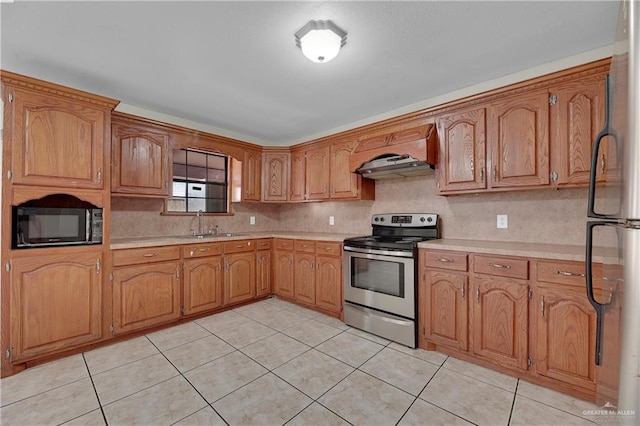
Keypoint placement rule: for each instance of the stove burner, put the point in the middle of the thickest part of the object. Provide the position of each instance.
(400, 232)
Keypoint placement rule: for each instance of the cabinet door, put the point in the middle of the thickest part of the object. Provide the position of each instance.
(317, 173)
(140, 161)
(276, 177)
(443, 308)
(202, 284)
(239, 277)
(305, 278)
(55, 303)
(298, 176)
(329, 283)
(145, 295)
(565, 343)
(283, 274)
(518, 133)
(500, 314)
(56, 142)
(578, 118)
(344, 184)
(251, 176)
(462, 153)
(263, 284)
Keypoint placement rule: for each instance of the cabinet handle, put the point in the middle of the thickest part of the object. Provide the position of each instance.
(240, 246)
(542, 307)
(569, 274)
(99, 176)
(497, 265)
(98, 266)
(150, 255)
(478, 294)
(482, 175)
(442, 259)
(495, 173)
(177, 273)
(603, 164)
(202, 250)
(462, 288)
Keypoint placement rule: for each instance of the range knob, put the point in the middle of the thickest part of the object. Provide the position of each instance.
(377, 219)
(382, 219)
(422, 219)
(429, 219)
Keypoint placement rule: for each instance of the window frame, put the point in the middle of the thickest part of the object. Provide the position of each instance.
(228, 184)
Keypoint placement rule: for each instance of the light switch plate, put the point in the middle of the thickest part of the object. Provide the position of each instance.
(252, 220)
(502, 221)
(332, 221)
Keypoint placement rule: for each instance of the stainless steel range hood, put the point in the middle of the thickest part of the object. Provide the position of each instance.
(394, 166)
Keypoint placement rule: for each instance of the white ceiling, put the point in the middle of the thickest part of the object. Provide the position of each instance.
(235, 65)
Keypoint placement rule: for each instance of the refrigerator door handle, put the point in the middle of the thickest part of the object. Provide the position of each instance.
(606, 131)
(599, 307)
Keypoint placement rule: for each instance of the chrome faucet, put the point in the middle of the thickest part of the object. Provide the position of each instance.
(200, 223)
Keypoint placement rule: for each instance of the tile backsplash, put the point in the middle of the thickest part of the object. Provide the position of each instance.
(538, 216)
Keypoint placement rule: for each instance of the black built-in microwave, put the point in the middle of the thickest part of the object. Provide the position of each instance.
(52, 226)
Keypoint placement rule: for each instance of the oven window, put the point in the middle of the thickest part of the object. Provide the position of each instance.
(380, 276)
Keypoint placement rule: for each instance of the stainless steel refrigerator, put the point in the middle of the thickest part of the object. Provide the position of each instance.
(614, 238)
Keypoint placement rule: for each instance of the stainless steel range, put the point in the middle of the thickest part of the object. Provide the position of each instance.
(380, 277)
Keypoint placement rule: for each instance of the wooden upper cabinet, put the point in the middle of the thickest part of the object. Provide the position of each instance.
(56, 303)
(344, 184)
(297, 181)
(252, 176)
(577, 118)
(518, 134)
(462, 153)
(275, 180)
(140, 158)
(55, 141)
(317, 173)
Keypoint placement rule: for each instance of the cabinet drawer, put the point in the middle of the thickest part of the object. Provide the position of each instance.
(284, 244)
(239, 246)
(444, 260)
(145, 255)
(305, 246)
(201, 250)
(567, 273)
(263, 244)
(329, 248)
(501, 266)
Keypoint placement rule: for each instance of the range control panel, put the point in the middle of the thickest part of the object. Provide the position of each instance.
(405, 219)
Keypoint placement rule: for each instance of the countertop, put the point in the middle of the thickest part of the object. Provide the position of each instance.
(502, 248)
(135, 242)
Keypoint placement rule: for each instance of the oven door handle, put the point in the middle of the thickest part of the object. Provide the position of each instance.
(379, 252)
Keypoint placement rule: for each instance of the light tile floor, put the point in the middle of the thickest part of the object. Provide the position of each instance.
(275, 363)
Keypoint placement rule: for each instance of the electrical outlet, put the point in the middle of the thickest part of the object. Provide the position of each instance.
(502, 221)
(332, 221)
(252, 220)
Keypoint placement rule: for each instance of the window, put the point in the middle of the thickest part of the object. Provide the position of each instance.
(199, 182)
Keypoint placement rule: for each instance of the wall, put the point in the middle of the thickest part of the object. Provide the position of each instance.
(140, 217)
(540, 216)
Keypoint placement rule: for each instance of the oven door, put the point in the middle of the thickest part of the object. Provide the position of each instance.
(380, 280)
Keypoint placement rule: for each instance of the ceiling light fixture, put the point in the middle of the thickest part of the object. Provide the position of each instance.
(320, 41)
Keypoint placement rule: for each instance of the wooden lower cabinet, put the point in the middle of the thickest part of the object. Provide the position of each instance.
(499, 320)
(443, 308)
(56, 303)
(305, 278)
(202, 287)
(263, 273)
(239, 277)
(283, 269)
(329, 283)
(565, 335)
(145, 295)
